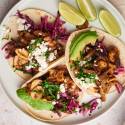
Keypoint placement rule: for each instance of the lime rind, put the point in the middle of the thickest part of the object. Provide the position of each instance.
(71, 14)
(88, 9)
(109, 23)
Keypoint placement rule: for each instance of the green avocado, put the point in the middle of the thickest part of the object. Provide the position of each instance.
(34, 103)
(78, 38)
(79, 44)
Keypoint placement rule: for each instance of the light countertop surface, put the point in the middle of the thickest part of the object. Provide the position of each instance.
(11, 115)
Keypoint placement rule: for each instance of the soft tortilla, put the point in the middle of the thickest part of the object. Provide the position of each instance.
(44, 115)
(35, 15)
(108, 40)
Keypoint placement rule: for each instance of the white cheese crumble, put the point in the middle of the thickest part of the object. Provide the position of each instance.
(81, 63)
(39, 55)
(51, 57)
(58, 96)
(86, 84)
(53, 102)
(21, 26)
(62, 88)
(28, 67)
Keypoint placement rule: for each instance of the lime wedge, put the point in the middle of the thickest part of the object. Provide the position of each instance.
(71, 14)
(109, 23)
(88, 9)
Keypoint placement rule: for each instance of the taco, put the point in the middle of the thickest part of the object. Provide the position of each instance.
(96, 61)
(49, 96)
(35, 41)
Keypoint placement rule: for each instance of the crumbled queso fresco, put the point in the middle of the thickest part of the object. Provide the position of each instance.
(62, 88)
(86, 82)
(39, 55)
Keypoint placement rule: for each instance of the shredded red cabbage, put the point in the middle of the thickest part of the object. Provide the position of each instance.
(64, 95)
(119, 87)
(93, 105)
(55, 29)
(72, 105)
(67, 103)
(89, 107)
(28, 21)
(10, 48)
(119, 70)
(100, 48)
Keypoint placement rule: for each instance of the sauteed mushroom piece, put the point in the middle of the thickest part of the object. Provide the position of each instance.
(88, 52)
(21, 58)
(36, 89)
(113, 54)
(111, 68)
(101, 64)
(39, 33)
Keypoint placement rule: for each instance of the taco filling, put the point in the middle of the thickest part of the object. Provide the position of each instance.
(37, 45)
(94, 64)
(55, 91)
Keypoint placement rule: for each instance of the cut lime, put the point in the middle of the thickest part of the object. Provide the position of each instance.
(88, 9)
(109, 23)
(71, 14)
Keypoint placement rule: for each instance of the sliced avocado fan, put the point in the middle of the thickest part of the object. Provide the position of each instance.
(80, 42)
(34, 103)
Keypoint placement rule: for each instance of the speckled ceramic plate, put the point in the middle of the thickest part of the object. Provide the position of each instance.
(10, 81)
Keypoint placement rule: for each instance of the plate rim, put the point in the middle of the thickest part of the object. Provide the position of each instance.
(25, 113)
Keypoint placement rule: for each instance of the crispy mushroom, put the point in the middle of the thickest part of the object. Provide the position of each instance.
(39, 33)
(36, 89)
(21, 58)
(111, 68)
(101, 64)
(113, 54)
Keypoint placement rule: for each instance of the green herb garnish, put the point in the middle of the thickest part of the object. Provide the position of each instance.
(64, 108)
(33, 45)
(50, 89)
(85, 75)
(47, 53)
(87, 105)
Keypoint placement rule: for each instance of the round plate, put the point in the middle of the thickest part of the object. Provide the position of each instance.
(11, 82)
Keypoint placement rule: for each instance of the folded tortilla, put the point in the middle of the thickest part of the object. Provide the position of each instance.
(108, 41)
(35, 15)
(44, 115)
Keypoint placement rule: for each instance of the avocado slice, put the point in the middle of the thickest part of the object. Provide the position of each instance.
(34, 103)
(90, 37)
(77, 39)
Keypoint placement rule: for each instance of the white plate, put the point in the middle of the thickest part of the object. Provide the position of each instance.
(11, 82)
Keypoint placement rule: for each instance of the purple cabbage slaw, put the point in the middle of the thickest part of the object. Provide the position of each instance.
(119, 70)
(72, 104)
(55, 29)
(119, 86)
(88, 108)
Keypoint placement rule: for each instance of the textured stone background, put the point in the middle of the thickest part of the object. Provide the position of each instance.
(10, 115)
